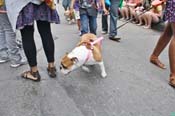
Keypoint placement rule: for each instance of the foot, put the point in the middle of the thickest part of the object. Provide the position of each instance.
(115, 38)
(15, 64)
(172, 80)
(34, 76)
(52, 72)
(3, 60)
(147, 27)
(154, 60)
(139, 24)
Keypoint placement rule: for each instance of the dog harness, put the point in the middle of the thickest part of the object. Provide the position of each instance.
(92, 43)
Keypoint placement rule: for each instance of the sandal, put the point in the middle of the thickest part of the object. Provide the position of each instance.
(154, 60)
(34, 76)
(172, 80)
(52, 72)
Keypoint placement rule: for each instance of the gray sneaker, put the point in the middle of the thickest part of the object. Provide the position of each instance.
(15, 64)
(3, 60)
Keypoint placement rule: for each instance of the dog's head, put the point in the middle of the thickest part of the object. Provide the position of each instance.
(68, 64)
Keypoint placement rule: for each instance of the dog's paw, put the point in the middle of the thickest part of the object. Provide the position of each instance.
(86, 69)
(103, 75)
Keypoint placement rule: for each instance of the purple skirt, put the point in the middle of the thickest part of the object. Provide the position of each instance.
(169, 13)
(33, 12)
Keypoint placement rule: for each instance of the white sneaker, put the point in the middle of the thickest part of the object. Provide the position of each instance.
(104, 32)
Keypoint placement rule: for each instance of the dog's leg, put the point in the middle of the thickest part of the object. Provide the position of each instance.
(86, 69)
(102, 67)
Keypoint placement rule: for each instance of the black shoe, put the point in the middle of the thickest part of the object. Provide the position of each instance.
(115, 38)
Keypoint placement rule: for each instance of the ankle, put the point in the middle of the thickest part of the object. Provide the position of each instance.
(153, 57)
(34, 69)
(51, 64)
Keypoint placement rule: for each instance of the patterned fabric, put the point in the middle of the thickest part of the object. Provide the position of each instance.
(33, 12)
(169, 14)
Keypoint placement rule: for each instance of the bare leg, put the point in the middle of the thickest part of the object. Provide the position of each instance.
(161, 44)
(172, 56)
(140, 20)
(145, 19)
(149, 20)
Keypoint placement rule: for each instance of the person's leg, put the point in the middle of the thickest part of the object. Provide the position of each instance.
(3, 44)
(172, 56)
(13, 51)
(79, 24)
(104, 22)
(84, 23)
(161, 44)
(127, 13)
(113, 20)
(44, 30)
(93, 24)
(28, 42)
(144, 16)
(140, 18)
(123, 13)
(151, 18)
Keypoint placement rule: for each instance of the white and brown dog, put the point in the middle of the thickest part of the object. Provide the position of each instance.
(84, 54)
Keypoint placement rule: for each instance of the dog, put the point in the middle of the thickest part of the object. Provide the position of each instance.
(83, 54)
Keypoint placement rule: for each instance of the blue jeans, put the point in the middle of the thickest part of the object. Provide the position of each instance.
(113, 18)
(88, 23)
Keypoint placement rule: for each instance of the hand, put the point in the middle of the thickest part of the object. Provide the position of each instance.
(106, 12)
(71, 11)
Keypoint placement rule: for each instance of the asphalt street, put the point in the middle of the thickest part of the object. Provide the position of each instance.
(133, 87)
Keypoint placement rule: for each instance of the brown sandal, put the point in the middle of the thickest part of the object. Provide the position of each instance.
(52, 72)
(172, 80)
(154, 60)
(34, 76)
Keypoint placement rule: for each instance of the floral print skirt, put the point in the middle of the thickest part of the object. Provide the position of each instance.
(169, 13)
(33, 12)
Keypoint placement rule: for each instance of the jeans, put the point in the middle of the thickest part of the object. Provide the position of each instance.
(8, 46)
(113, 18)
(88, 23)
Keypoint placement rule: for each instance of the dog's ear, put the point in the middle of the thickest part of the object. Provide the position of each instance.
(74, 59)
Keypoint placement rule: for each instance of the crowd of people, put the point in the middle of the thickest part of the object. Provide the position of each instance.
(23, 15)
